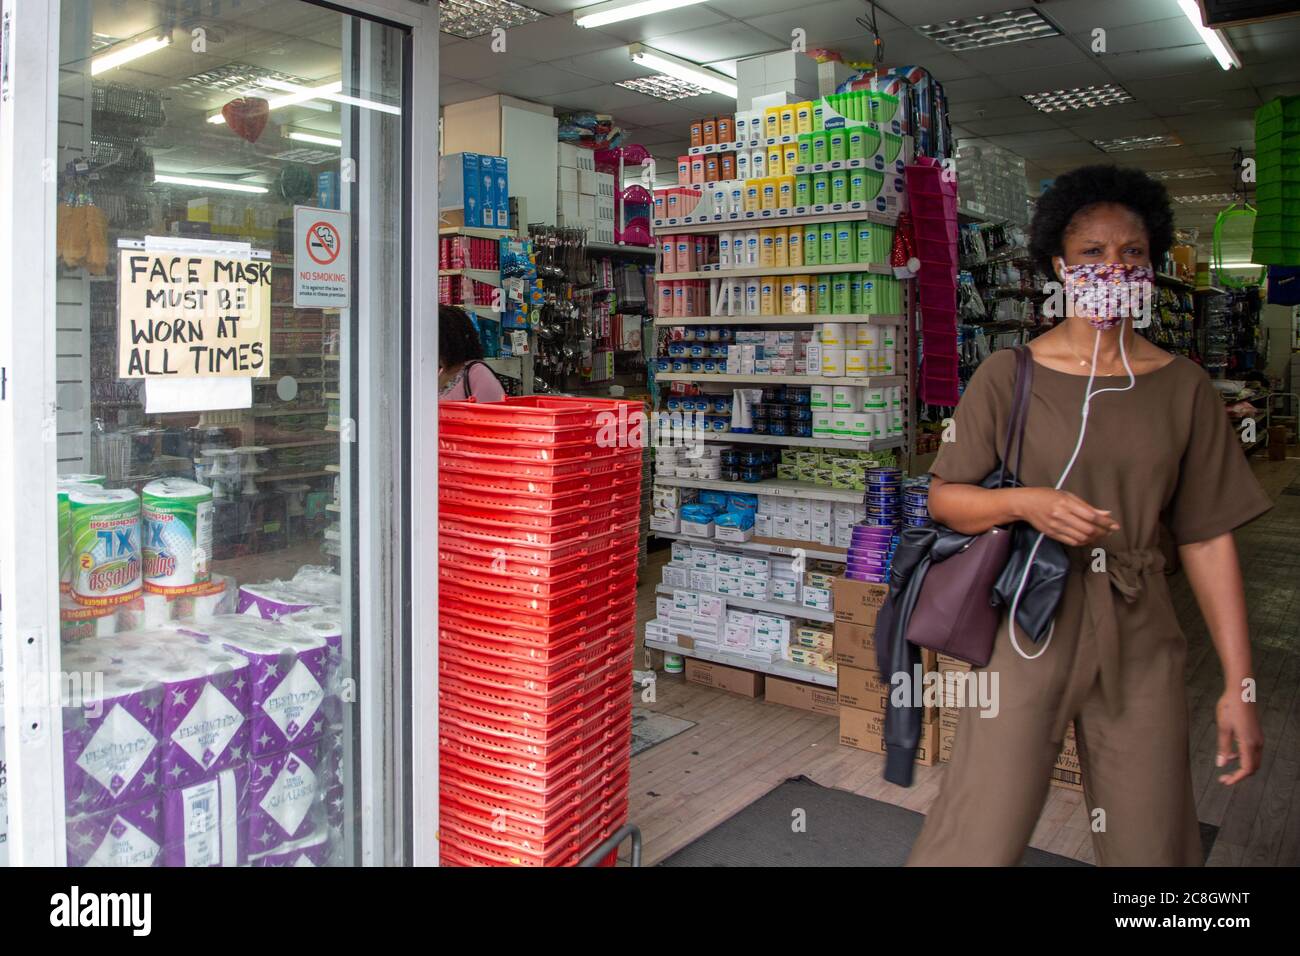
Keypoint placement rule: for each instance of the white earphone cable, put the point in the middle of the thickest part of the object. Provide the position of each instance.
(1088, 396)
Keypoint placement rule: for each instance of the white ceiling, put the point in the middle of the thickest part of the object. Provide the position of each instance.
(1151, 50)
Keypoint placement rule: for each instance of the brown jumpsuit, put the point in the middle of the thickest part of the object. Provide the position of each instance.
(1165, 461)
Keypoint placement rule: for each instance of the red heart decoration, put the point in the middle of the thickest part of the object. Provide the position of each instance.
(247, 116)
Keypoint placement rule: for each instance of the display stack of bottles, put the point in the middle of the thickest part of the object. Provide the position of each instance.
(539, 511)
(467, 252)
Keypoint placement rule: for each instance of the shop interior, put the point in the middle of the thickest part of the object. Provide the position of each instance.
(771, 242)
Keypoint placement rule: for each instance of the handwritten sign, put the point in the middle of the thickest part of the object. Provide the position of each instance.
(193, 316)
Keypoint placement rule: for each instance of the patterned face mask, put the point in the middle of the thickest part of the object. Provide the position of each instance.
(1108, 292)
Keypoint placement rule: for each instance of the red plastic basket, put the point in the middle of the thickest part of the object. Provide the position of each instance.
(520, 546)
(506, 484)
(497, 564)
(452, 499)
(570, 521)
(507, 718)
(605, 589)
(607, 710)
(528, 805)
(583, 750)
(599, 803)
(596, 461)
(509, 451)
(539, 411)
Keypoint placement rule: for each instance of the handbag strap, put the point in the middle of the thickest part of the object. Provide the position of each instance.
(1019, 414)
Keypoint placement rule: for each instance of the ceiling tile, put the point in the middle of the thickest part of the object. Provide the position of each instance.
(1092, 124)
(540, 80)
(661, 24)
(456, 91)
(1174, 31)
(729, 39)
(968, 111)
(913, 12)
(1190, 86)
(1213, 129)
(1264, 74)
(1014, 124)
(558, 7)
(599, 99)
(1066, 76)
(1078, 154)
(1025, 55)
(726, 67)
(1043, 137)
(749, 9)
(648, 135)
(656, 112)
(609, 66)
(1265, 28)
(821, 22)
(1275, 90)
(1192, 58)
(972, 88)
(557, 37)
(1075, 17)
(1217, 104)
(474, 60)
(1279, 42)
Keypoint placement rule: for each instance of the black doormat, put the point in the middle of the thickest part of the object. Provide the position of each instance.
(842, 829)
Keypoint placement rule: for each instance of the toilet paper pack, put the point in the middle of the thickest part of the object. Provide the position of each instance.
(206, 823)
(286, 797)
(289, 677)
(112, 727)
(128, 835)
(312, 851)
(310, 587)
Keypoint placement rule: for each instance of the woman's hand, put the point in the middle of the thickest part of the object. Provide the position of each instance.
(1239, 722)
(1063, 516)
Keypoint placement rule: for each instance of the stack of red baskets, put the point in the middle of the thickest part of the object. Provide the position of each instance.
(539, 508)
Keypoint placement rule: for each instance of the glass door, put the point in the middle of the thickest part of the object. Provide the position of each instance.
(223, 471)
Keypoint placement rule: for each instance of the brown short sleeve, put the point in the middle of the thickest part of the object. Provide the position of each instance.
(978, 422)
(1216, 490)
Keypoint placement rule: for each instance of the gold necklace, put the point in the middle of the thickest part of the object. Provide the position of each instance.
(1086, 363)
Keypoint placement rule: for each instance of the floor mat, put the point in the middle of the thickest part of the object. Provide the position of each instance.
(840, 829)
(650, 728)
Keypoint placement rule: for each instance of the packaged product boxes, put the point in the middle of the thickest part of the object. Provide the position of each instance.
(864, 730)
(855, 645)
(948, 717)
(501, 168)
(857, 602)
(789, 693)
(732, 679)
(461, 185)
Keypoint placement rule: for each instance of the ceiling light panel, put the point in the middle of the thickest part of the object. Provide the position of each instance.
(474, 18)
(1079, 98)
(1191, 172)
(663, 86)
(1124, 144)
(1205, 199)
(994, 29)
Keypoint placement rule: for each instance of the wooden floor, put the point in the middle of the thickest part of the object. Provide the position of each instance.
(741, 748)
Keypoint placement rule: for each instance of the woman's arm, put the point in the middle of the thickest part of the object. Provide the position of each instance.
(971, 509)
(1215, 576)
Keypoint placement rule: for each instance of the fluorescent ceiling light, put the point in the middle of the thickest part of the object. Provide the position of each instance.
(207, 183)
(334, 94)
(1214, 39)
(994, 29)
(663, 86)
(681, 69)
(1203, 199)
(1084, 97)
(316, 138)
(1124, 144)
(1191, 172)
(301, 95)
(1240, 265)
(473, 18)
(616, 10)
(116, 57)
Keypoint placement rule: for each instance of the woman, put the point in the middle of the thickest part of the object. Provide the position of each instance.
(462, 373)
(1158, 463)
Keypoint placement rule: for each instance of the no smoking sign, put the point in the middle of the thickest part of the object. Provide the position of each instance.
(322, 270)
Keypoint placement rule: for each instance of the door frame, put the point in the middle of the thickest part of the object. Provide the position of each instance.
(398, 809)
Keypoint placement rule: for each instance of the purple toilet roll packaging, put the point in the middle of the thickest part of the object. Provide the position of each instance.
(288, 671)
(313, 851)
(206, 823)
(112, 724)
(310, 587)
(286, 796)
(128, 835)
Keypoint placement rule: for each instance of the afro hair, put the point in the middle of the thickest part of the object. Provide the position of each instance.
(1088, 185)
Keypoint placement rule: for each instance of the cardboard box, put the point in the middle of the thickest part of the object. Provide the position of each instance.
(789, 693)
(855, 645)
(1067, 773)
(862, 688)
(731, 679)
(948, 717)
(857, 602)
(566, 179)
(864, 730)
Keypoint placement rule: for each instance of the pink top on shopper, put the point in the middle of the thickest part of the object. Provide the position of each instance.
(483, 385)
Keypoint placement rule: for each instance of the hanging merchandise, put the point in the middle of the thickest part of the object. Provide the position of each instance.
(81, 227)
(1235, 224)
(1277, 182)
(296, 184)
(246, 116)
(921, 103)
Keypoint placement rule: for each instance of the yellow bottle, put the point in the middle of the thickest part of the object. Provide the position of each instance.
(775, 161)
(772, 122)
(768, 193)
(785, 191)
(780, 254)
(753, 195)
(789, 158)
(767, 248)
(767, 295)
(794, 246)
(803, 117)
(787, 120)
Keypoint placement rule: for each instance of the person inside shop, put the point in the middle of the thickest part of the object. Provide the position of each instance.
(462, 373)
(1141, 474)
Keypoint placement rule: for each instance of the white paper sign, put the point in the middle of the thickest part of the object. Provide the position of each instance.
(322, 277)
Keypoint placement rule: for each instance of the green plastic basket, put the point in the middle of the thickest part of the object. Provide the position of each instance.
(1223, 223)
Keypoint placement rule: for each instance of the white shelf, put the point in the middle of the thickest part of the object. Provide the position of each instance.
(781, 488)
(476, 232)
(873, 268)
(808, 548)
(806, 318)
(796, 216)
(872, 380)
(750, 438)
(770, 607)
(478, 275)
(779, 668)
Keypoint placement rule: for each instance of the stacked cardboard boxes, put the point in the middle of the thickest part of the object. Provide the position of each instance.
(863, 697)
(585, 198)
(477, 184)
